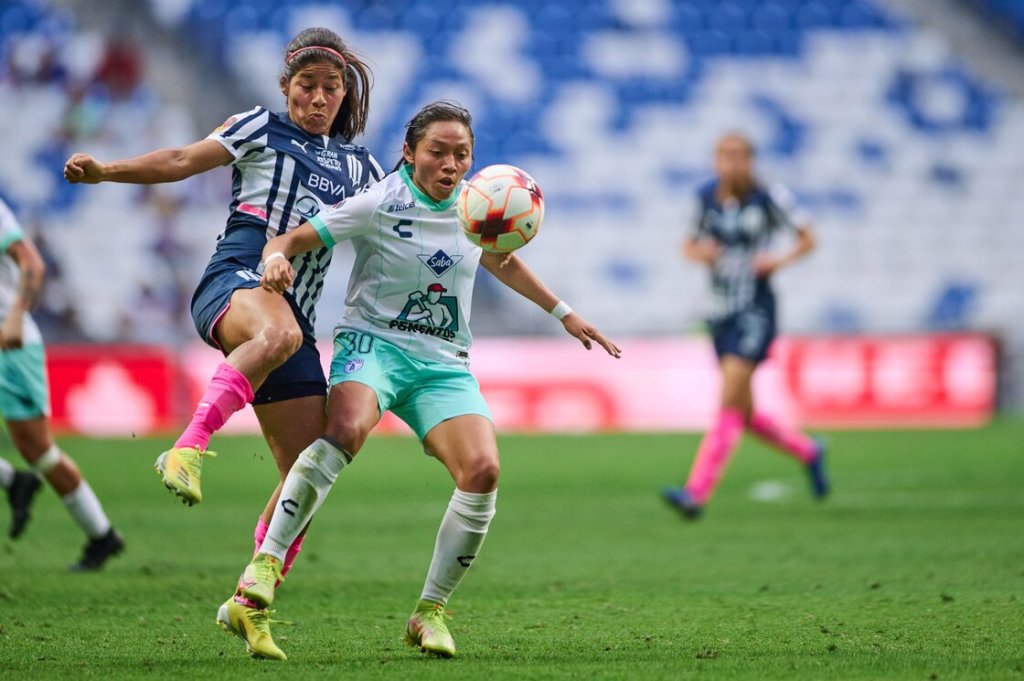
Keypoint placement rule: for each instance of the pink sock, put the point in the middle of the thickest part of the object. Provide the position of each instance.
(291, 554)
(790, 441)
(713, 454)
(227, 392)
(289, 557)
(259, 534)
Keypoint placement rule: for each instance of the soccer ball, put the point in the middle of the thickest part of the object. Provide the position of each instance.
(500, 209)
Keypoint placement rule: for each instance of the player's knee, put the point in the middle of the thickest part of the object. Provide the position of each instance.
(48, 460)
(280, 343)
(350, 436)
(481, 475)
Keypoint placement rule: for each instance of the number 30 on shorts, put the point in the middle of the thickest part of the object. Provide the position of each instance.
(353, 342)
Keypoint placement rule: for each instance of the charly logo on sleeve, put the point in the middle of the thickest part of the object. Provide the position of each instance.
(440, 262)
(429, 313)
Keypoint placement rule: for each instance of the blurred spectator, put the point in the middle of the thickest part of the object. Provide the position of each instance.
(55, 313)
(121, 66)
(34, 61)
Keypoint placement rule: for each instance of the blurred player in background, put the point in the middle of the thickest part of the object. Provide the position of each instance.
(736, 220)
(417, 369)
(25, 404)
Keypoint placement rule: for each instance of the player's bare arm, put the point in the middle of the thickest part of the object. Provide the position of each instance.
(703, 251)
(278, 273)
(514, 273)
(31, 269)
(162, 165)
(768, 263)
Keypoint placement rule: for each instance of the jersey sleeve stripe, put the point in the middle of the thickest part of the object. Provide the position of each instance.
(375, 169)
(247, 133)
(246, 120)
(321, 229)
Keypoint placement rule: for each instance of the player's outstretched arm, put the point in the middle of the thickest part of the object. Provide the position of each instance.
(162, 165)
(514, 273)
(278, 273)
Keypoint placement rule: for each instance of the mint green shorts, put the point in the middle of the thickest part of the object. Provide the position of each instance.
(420, 392)
(24, 394)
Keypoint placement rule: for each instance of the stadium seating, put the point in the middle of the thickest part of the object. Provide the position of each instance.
(907, 161)
(1008, 13)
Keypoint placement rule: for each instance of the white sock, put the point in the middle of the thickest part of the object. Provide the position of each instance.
(6, 473)
(462, 533)
(305, 488)
(85, 508)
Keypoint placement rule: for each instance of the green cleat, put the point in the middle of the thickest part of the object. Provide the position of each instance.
(181, 469)
(428, 630)
(252, 625)
(259, 579)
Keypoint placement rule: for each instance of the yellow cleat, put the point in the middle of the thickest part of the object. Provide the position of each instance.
(252, 625)
(260, 578)
(181, 469)
(428, 630)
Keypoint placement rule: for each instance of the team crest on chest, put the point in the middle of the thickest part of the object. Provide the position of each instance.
(429, 312)
(440, 262)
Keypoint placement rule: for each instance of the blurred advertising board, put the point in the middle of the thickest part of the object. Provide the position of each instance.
(554, 385)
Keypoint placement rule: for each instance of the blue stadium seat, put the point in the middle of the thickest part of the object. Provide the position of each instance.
(772, 17)
(727, 17)
(709, 42)
(859, 15)
(814, 15)
(754, 41)
(422, 19)
(688, 18)
(375, 17)
(16, 18)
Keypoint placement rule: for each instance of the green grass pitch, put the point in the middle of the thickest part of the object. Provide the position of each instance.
(913, 569)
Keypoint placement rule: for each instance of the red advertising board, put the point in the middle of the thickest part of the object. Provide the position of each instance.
(947, 380)
(112, 389)
(553, 385)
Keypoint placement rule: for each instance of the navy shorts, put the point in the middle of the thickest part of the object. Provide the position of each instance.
(232, 267)
(747, 334)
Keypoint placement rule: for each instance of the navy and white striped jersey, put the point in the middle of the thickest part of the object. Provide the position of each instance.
(741, 229)
(282, 176)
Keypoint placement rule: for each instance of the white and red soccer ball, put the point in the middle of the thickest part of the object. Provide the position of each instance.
(500, 209)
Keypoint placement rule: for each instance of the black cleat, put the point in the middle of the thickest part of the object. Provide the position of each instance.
(820, 485)
(20, 494)
(97, 551)
(679, 499)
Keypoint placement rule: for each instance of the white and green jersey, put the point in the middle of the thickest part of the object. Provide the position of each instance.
(412, 281)
(10, 232)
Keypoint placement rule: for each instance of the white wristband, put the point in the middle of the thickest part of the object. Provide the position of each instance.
(561, 311)
(275, 254)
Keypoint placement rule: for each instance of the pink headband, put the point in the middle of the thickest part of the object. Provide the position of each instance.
(317, 47)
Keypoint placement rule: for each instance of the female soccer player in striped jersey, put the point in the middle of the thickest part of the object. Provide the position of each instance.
(736, 219)
(286, 167)
(396, 349)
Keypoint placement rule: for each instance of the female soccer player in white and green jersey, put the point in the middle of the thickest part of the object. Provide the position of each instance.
(403, 345)
(25, 404)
